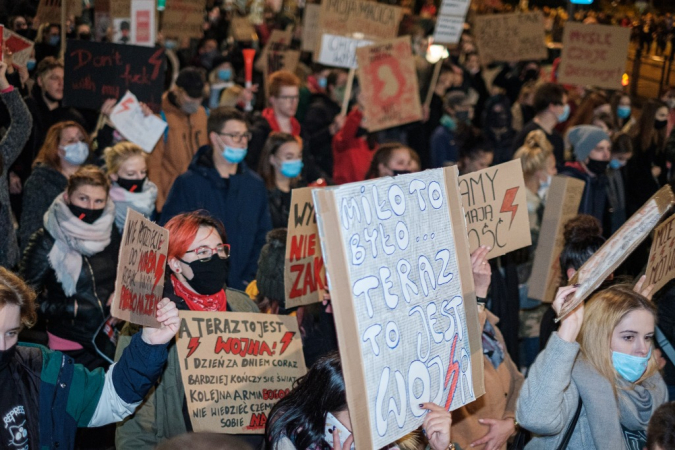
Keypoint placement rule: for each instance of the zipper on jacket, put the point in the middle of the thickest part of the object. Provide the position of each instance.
(93, 282)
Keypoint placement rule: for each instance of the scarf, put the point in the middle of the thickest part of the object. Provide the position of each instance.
(142, 202)
(268, 114)
(605, 415)
(74, 239)
(198, 302)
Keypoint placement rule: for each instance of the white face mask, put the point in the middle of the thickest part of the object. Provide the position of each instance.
(76, 153)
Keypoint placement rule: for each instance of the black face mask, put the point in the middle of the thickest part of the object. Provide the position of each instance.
(660, 124)
(499, 120)
(531, 74)
(84, 36)
(84, 214)
(6, 356)
(400, 172)
(209, 276)
(135, 186)
(597, 167)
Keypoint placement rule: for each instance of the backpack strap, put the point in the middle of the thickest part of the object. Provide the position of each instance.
(570, 429)
(665, 345)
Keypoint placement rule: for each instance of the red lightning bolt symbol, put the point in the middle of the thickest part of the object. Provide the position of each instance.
(507, 205)
(453, 372)
(286, 341)
(160, 270)
(157, 60)
(192, 345)
(125, 105)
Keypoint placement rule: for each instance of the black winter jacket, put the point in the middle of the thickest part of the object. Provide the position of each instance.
(94, 286)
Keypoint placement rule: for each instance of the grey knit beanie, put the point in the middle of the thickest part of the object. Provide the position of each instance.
(584, 138)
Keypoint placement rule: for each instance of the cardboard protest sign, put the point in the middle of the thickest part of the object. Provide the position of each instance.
(310, 27)
(661, 265)
(242, 29)
(388, 80)
(618, 248)
(143, 25)
(140, 272)
(340, 51)
(510, 37)
(281, 60)
(50, 10)
(20, 47)
(562, 203)
(450, 21)
(236, 366)
(183, 19)
(96, 71)
(346, 17)
(129, 120)
(399, 272)
(594, 55)
(304, 272)
(119, 8)
(279, 41)
(495, 207)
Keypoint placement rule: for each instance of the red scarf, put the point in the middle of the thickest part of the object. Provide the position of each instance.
(268, 114)
(198, 302)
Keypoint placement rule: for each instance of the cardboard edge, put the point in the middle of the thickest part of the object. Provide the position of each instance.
(652, 251)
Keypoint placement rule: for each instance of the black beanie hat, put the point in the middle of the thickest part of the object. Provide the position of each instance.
(192, 81)
(270, 276)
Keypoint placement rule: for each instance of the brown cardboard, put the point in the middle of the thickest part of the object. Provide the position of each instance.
(50, 10)
(304, 271)
(510, 37)
(594, 55)
(310, 27)
(346, 17)
(661, 265)
(618, 248)
(495, 208)
(420, 218)
(236, 366)
(140, 271)
(388, 80)
(562, 203)
(280, 40)
(242, 29)
(183, 19)
(120, 9)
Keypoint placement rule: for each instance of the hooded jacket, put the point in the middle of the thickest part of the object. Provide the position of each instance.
(240, 202)
(184, 135)
(594, 199)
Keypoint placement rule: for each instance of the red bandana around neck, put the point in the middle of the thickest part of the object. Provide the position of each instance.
(198, 302)
(268, 114)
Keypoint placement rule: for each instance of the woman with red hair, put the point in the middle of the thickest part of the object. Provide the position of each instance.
(198, 263)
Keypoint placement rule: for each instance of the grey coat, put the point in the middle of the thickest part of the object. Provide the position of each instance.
(11, 145)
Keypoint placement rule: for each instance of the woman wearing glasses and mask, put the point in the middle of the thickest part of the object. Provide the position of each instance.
(198, 263)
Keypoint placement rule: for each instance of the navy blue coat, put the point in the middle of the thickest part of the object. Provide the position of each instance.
(240, 202)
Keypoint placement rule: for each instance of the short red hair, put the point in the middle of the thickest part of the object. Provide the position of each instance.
(280, 79)
(183, 230)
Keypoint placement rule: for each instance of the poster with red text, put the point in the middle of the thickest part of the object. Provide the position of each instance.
(236, 366)
(140, 270)
(388, 80)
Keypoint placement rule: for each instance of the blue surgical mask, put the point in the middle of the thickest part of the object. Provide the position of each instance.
(448, 122)
(623, 112)
(224, 74)
(76, 153)
(170, 45)
(291, 169)
(543, 187)
(323, 82)
(234, 155)
(565, 114)
(630, 367)
(54, 40)
(30, 64)
(616, 164)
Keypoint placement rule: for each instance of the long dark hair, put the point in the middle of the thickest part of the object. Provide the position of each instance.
(583, 237)
(301, 415)
(382, 156)
(644, 132)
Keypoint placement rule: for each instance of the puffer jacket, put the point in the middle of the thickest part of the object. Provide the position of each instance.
(94, 286)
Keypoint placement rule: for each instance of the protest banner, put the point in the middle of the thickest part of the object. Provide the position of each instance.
(339, 51)
(96, 71)
(310, 27)
(450, 21)
(618, 248)
(661, 264)
(242, 30)
(562, 203)
(49, 11)
(236, 366)
(143, 25)
(594, 55)
(346, 17)
(120, 9)
(140, 271)
(304, 272)
(388, 80)
(279, 41)
(399, 273)
(495, 208)
(183, 19)
(510, 37)
(129, 120)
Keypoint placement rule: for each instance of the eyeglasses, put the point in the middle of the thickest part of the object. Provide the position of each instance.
(237, 137)
(293, 98)
(205, 253)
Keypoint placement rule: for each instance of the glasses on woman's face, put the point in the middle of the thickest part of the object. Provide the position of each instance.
(205, 253)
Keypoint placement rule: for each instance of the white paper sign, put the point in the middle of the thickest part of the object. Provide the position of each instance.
(18, 45)
(448, 29)
(143, 22)
(340, 51)
(128, 118)
(454, 7)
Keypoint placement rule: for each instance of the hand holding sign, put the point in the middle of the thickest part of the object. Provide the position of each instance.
(167, 316)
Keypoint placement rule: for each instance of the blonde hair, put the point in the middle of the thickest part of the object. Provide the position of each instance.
(602, 314)
(535, 151)
(118, 153)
